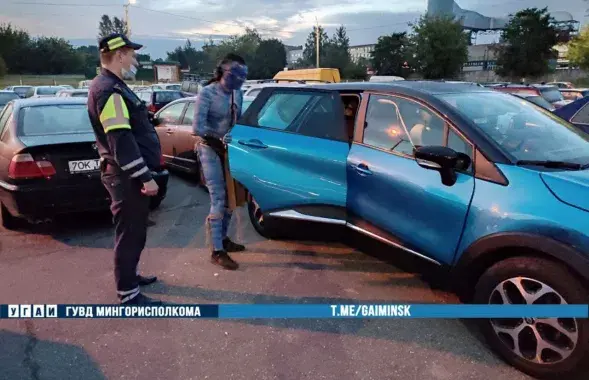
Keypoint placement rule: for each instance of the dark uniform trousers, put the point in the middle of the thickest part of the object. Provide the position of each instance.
(130, 210)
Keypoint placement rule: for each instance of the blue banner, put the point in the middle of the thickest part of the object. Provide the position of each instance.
(292, 311)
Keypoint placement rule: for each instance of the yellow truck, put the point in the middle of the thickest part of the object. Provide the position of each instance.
(310, 75)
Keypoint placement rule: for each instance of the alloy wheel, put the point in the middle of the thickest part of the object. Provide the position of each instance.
(536, 340)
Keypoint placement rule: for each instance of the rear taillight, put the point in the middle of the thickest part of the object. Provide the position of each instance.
(152, 108)
(24, 166)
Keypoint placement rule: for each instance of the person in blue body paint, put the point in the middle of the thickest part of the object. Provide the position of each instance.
(218, 106)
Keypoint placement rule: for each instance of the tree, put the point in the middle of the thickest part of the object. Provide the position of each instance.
(337, 52)
(527, 45)
(15, 48)
(355, 70)
(3, 68)
(440, 47)
(578, 52)
(55, 56)
(390, 54)
(270, 58)
(310, 49)
(107, 26)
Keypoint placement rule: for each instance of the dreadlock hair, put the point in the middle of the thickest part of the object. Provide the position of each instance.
(229, 58)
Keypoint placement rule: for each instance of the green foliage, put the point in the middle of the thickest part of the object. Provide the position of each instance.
(578, 52)
(263, 57)
(15, 48)
(270, 57)
(336, 53)
(355, 71)
(310, 49)
(3, 68)
(108, 26)
(527, 45)
(440, 47)
(390, 54)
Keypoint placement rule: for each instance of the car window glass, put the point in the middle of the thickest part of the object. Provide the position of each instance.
(189, 114)
(282, 108)
(324, 119)
(171, 115)
(4, 118)
(522, 130)
(167, 96)
(397, 124)
(145, 96)
(582, 115)
(552, 95)
(458, 144)
(54, 120)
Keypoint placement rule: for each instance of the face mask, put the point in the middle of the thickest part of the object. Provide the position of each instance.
(129, 74)
(235, 77)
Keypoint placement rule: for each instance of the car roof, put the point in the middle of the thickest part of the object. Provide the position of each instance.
(7, 92)
(423, 87)
(33, 102)
(574, 89)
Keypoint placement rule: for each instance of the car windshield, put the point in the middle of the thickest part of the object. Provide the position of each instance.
(523, 130)
(48, 90)
(552, 94)
(54, 120)
(5, 97)
(175, 87)
(245, 105)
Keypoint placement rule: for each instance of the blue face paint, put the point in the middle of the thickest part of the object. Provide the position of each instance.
(235, 76)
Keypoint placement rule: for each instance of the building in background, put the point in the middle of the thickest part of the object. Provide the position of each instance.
(361, 51)
(293, 54)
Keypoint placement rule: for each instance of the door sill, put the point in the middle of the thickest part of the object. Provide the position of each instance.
(366, 228)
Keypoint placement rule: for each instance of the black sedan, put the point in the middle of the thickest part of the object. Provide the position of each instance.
(49, 164)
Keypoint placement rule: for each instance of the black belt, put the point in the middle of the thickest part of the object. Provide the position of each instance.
(214, 143)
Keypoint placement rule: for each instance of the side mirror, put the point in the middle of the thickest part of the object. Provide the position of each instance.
(442, 159)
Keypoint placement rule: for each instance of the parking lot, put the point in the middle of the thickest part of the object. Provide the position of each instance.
(71, 262)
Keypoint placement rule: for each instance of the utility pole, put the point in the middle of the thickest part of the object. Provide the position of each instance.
(317, 41)
(127, 23)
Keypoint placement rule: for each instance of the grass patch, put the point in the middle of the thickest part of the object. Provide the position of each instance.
(49, 80)
(40, 80)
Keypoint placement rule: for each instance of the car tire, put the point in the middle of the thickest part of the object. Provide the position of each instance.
(8, 221)
(266, 226)
(519, 279)
(155, 202)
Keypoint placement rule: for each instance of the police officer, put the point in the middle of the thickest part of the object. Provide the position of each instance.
(129, 148)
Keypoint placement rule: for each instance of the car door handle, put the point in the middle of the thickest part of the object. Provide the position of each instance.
(169, 131)
(253, 143)
(363, 169)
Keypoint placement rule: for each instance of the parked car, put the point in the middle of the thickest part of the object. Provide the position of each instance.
(156, 99)
(492, 191)
(254, 89)
(552, 94)
(573, 94)
(246, 102)
(49, 164)
(20, 90)
(43, 91)
(7, 96)
(537, 100)
(177, 138)
(79, 93)
(576, 113)
(561, 84)
(549, 93)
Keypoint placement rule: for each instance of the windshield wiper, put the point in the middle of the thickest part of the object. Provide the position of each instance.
(551, 164)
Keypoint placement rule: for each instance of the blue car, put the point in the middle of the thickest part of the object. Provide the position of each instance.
(492, 190)
(576, 113)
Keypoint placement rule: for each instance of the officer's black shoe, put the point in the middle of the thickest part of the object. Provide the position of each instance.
(231, 246)
(221, 258)
(140, 299)
(146, 280)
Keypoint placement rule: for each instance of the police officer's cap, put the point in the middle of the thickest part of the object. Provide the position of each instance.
(116, 41)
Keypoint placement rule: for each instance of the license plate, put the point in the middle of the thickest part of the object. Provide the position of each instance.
(83, 166)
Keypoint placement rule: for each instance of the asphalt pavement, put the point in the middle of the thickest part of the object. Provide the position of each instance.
(71, 261)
